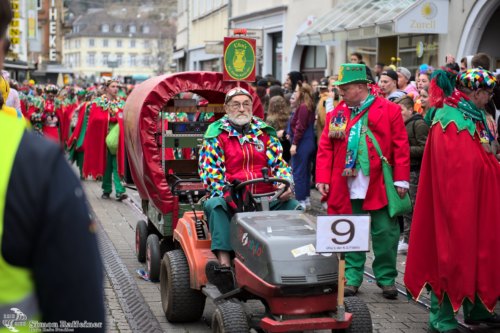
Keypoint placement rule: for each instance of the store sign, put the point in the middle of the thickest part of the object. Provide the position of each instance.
(52, 31)
(239, 59)
(14, 31)
(429, 16)
(32, 19)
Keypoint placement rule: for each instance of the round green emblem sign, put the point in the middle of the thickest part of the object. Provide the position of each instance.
(239, 59)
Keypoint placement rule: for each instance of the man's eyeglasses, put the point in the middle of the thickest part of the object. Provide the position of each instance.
(236, 106)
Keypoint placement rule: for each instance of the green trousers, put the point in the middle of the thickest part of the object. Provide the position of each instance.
(218, 217)
(385, 237)
(111, 173)
(442, 317)
(79, 161)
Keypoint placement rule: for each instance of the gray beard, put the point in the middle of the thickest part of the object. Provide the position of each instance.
(240, 121)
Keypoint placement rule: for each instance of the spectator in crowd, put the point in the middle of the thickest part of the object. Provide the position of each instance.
(291, 81)
(405, 84)
(357, 58)
(424, 76)
(379, 68)
(349, 171)
(388, 83)
(423, 106)
(417, 131)
(13, 98)
(455, 222)
(278, 115)
(465, 63)
(303, 143)
(481, 60)
(324, 94)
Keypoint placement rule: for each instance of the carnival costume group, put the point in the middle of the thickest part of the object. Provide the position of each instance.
(454, 243)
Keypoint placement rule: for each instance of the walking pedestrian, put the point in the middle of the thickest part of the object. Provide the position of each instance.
(104, 142)
(349, 171)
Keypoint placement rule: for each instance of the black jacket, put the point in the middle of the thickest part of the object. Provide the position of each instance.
(47, 229)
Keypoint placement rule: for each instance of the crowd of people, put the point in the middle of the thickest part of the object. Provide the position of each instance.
(435, 127)
(75, 118)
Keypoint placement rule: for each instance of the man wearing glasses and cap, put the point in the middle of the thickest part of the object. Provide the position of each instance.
(236, 148)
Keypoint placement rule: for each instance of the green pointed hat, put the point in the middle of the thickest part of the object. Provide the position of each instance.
(352, 73)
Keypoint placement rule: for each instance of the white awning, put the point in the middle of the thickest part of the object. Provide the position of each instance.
(362, 19)
(178, 54)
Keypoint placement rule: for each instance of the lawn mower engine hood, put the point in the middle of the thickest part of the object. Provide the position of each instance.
(279, 247)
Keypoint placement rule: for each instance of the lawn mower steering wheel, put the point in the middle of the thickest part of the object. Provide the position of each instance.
(263, 197)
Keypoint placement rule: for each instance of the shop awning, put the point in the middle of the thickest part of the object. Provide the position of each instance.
(362, 19)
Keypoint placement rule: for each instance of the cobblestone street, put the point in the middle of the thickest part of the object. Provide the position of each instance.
(118, 221)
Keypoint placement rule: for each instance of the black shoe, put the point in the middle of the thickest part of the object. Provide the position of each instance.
(350, 291)
(105, 196)
(389, 292)
(493, 321)
(121, 197)
(221, 277)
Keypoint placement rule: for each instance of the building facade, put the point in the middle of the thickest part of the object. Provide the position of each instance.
(102, 44)
(315, 37)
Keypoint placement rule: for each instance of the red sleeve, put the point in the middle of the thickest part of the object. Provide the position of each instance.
(301, 117)
(400, 145)
(324, 157)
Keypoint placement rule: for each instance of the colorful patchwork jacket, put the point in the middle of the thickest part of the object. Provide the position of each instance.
(227, 155)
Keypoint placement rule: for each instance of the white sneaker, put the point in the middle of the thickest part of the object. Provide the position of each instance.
(308, 203)
(303, 204)
(402, 247)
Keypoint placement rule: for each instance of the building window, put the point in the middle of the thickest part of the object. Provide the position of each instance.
(145, 60)
(146, 44)
(132, 29)
(91, 42)
(105, 28)
(119, 59)
(118, 28)
(118, 43)
(105, 43)
(277, 53)
(91, 59)
(105, 58)
(145, 29)
(39, 4)
(132, 43)
(313, 63)
(132, 60)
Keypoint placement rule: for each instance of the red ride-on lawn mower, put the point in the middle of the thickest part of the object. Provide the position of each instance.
(275, 262)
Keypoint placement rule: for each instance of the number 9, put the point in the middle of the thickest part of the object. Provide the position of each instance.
(337, 232)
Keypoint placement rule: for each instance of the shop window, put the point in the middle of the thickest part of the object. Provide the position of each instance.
(415, 50)
(313, 63)
(366, 47)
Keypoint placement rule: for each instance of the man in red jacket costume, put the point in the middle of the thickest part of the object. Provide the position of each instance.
(349, 171)
(99, 161)
(455, 234)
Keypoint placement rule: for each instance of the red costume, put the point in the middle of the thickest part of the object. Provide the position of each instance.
(393, 141)
(102, 112)
(454, 241)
